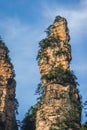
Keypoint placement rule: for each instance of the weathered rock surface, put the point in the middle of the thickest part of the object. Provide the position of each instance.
(60, 106)
(7, 91)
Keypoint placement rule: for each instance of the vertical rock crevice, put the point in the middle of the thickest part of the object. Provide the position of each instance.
(7, 91)
(60, 104)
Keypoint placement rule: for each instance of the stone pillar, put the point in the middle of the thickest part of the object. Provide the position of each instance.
(7, 91)
(60, 106)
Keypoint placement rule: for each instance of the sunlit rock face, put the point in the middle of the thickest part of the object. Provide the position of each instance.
(7, 91)
(60, 106)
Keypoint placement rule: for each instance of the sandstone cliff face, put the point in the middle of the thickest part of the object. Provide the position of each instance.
(60, 106)
(7, 91)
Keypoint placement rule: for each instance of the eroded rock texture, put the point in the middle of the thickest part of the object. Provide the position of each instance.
(7, 91)
(59, 106)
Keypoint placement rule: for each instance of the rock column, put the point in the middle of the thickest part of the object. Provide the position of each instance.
(8, 101)
(59, 107)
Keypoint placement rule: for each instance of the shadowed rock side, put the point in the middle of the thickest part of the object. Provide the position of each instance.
(59, 107)
(7, 91)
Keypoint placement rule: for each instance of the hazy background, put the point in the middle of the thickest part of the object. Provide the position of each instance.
(22, 26)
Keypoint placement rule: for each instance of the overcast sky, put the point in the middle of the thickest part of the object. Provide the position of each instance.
(22, 26)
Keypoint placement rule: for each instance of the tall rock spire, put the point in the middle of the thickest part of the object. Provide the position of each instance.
(8, 101)
(59, 107)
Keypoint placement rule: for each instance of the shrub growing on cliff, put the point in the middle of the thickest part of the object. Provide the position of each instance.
(29, 122)
(39, 91)
(45, 43)
(52, 43)
(60, 76)
(84, 126)
(7, 58)
(3, 46)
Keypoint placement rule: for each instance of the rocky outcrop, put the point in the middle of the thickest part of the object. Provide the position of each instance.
(8, 101)
(59, 107)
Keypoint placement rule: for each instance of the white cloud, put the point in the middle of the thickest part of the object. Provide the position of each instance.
(76, 17)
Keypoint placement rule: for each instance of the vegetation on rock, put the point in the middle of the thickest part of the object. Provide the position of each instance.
(58, 84)
(8, 102)
(7, 58)
(60, 76)
(52, 43)
(84, 126)
(29, 122)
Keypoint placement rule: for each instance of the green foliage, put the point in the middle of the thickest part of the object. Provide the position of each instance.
(16, 106)
(3, 46)
(60, 76)
(69, 119)
(47, 42)
(58, 18)
(48, 30)
(84, 126)
(66, 51)
(7, 58)
(71, 112)
(53, 42)
(2, 124)
(85, 107)
(29, 122)
(50, 41)
(39, 91)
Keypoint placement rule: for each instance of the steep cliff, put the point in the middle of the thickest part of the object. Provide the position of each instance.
(59, 107)
(8, 101)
